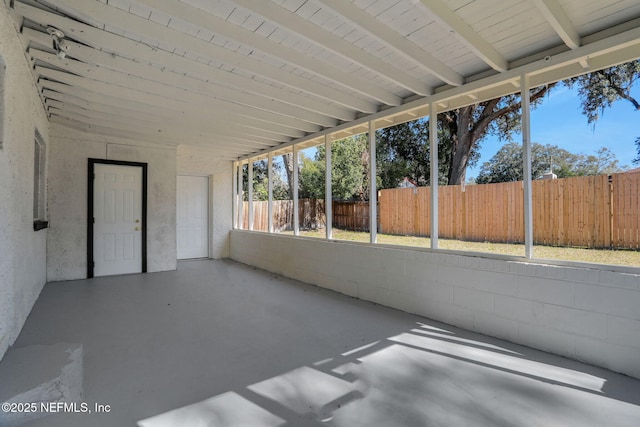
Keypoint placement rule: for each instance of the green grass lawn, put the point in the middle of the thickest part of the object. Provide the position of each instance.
(600, 256)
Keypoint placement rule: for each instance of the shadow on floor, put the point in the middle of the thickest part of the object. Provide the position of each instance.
(219, 343)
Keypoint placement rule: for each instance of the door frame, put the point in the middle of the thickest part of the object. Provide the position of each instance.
(209, 211)
(90, 200)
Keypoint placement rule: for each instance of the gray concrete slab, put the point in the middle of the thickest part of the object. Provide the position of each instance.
(219, 343)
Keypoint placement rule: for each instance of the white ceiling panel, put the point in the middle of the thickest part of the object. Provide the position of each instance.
(259, 74)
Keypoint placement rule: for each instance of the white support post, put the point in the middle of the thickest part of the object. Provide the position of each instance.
(250, 192)
(240, 203)
(373, 191)
(433, 152)
(328, 199)
(234, 191)
(296, 214)
(526, 158)
(270, 190)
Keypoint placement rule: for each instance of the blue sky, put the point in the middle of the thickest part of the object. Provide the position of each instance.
(558, 121)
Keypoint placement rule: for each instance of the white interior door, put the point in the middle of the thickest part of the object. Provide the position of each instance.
(117, 210)
(192, 217)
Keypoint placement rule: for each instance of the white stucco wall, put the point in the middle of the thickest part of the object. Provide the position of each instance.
(68, 192)
(193, 160)
(591, 315)
(22, 250)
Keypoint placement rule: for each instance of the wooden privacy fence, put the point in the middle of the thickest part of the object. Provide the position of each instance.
(346, 215)
(311, 213)
(592, 211)
(352, 216)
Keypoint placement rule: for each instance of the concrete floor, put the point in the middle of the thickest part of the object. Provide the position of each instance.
(218, 343)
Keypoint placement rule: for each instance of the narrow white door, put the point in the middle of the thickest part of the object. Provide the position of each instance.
(192, 217)
(117, 209)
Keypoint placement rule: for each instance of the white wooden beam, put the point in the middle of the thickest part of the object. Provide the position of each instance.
(250, 192)
(213, 125)
(445, 16)
(165, 128)
(402, 45)
(328, 198)
(175, 137)
(212, 81)
(373, 191)
(259, 141)
(329, 41)
(234, 197)
(133, 135)
(240, 193)
(195, 117)
(433, 155)
(558, 19)
(526, 159)
(111, 16)
(615, 49)
(246, 37)
(295, 191)
(270, 192)
(191, 91)
(130, 93)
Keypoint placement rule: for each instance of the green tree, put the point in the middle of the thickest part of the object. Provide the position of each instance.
(600, 89)
(507, 164)
(311, 177)
(466, 127)
(350, 168)
(404, 151)
(261, 182)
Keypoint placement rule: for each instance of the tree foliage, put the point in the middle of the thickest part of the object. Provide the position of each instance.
(468, 126)
(349, 170)
(261, 182)
(507, 164)
(600, 89)
(404, 150)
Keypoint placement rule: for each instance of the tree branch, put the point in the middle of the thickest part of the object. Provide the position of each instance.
(621, 92)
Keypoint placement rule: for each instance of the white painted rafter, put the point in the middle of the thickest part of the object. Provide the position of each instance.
(215, 77)
(105, 104)
(129, 92)
(136, 134)
(117, 18)
(466, 34)
(325, 39)
(124, 117)
(170, 132)
(226, 29)
(193, 91)
(619, 47)
(558, 19)
(401, 45)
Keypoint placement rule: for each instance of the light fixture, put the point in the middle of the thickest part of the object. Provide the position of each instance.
(60, 45)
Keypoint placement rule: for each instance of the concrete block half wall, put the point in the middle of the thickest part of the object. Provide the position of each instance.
(585, 314)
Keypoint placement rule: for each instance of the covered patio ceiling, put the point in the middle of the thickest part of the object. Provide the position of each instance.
(245, 76)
